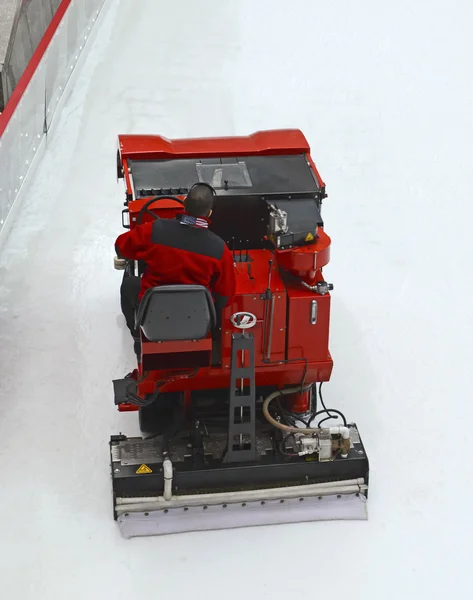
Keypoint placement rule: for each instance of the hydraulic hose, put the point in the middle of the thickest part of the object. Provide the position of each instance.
(277, 424)
(342, 430)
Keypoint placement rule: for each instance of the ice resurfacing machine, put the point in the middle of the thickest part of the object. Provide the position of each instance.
(236, 430)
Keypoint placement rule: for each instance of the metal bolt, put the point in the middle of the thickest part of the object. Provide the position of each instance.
(360, 452)
(166, 511)
(263, 502)
(281, 501)
(301, 499)
(243, 503)
(117, 470)
(205, 507)
(339, 496)
(282, 329)
(185, 508)
(146, 514)
(127, 515)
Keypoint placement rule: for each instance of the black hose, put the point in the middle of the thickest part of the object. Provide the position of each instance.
(133, 398)
(327, 411)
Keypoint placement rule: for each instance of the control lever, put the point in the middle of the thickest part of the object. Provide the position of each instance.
(268, 316)
(248, 266)
(269, 276)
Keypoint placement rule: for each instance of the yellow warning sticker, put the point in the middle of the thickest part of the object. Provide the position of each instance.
(309, 237)
(143, 469)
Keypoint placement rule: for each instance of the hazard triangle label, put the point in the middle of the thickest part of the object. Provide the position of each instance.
(143, 469)
(309, 237)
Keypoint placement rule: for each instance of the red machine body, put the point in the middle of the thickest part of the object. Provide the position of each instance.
(292, 330)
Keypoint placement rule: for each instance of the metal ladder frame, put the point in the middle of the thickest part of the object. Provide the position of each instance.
(243, 348)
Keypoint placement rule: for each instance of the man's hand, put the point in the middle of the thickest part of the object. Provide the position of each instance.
(119, 263)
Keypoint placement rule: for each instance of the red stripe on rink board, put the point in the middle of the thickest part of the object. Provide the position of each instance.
(32, 66)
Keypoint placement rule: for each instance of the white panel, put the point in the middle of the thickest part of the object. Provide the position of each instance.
(10, 160)
(31, 120)
(56, 69)
(20, 142)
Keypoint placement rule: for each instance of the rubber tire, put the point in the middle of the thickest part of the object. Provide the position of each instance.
(153, 419)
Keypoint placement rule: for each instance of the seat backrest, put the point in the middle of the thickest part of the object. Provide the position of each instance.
(176, 312)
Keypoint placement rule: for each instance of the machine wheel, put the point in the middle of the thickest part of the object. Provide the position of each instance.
(153, 419)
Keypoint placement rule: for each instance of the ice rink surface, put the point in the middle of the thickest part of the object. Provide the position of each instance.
(383, 91)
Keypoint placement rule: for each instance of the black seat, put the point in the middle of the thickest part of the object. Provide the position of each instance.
(176, 312)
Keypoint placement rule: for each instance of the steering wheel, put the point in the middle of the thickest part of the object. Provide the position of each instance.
(243, 320)
(145, 207)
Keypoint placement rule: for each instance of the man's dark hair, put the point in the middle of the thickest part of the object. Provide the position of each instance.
(200, 200)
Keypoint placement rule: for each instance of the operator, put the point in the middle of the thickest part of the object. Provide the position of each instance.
(177, 251)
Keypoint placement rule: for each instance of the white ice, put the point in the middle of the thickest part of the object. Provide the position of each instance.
(383, 92)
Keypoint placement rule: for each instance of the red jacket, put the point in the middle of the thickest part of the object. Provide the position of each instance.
(177, 253)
